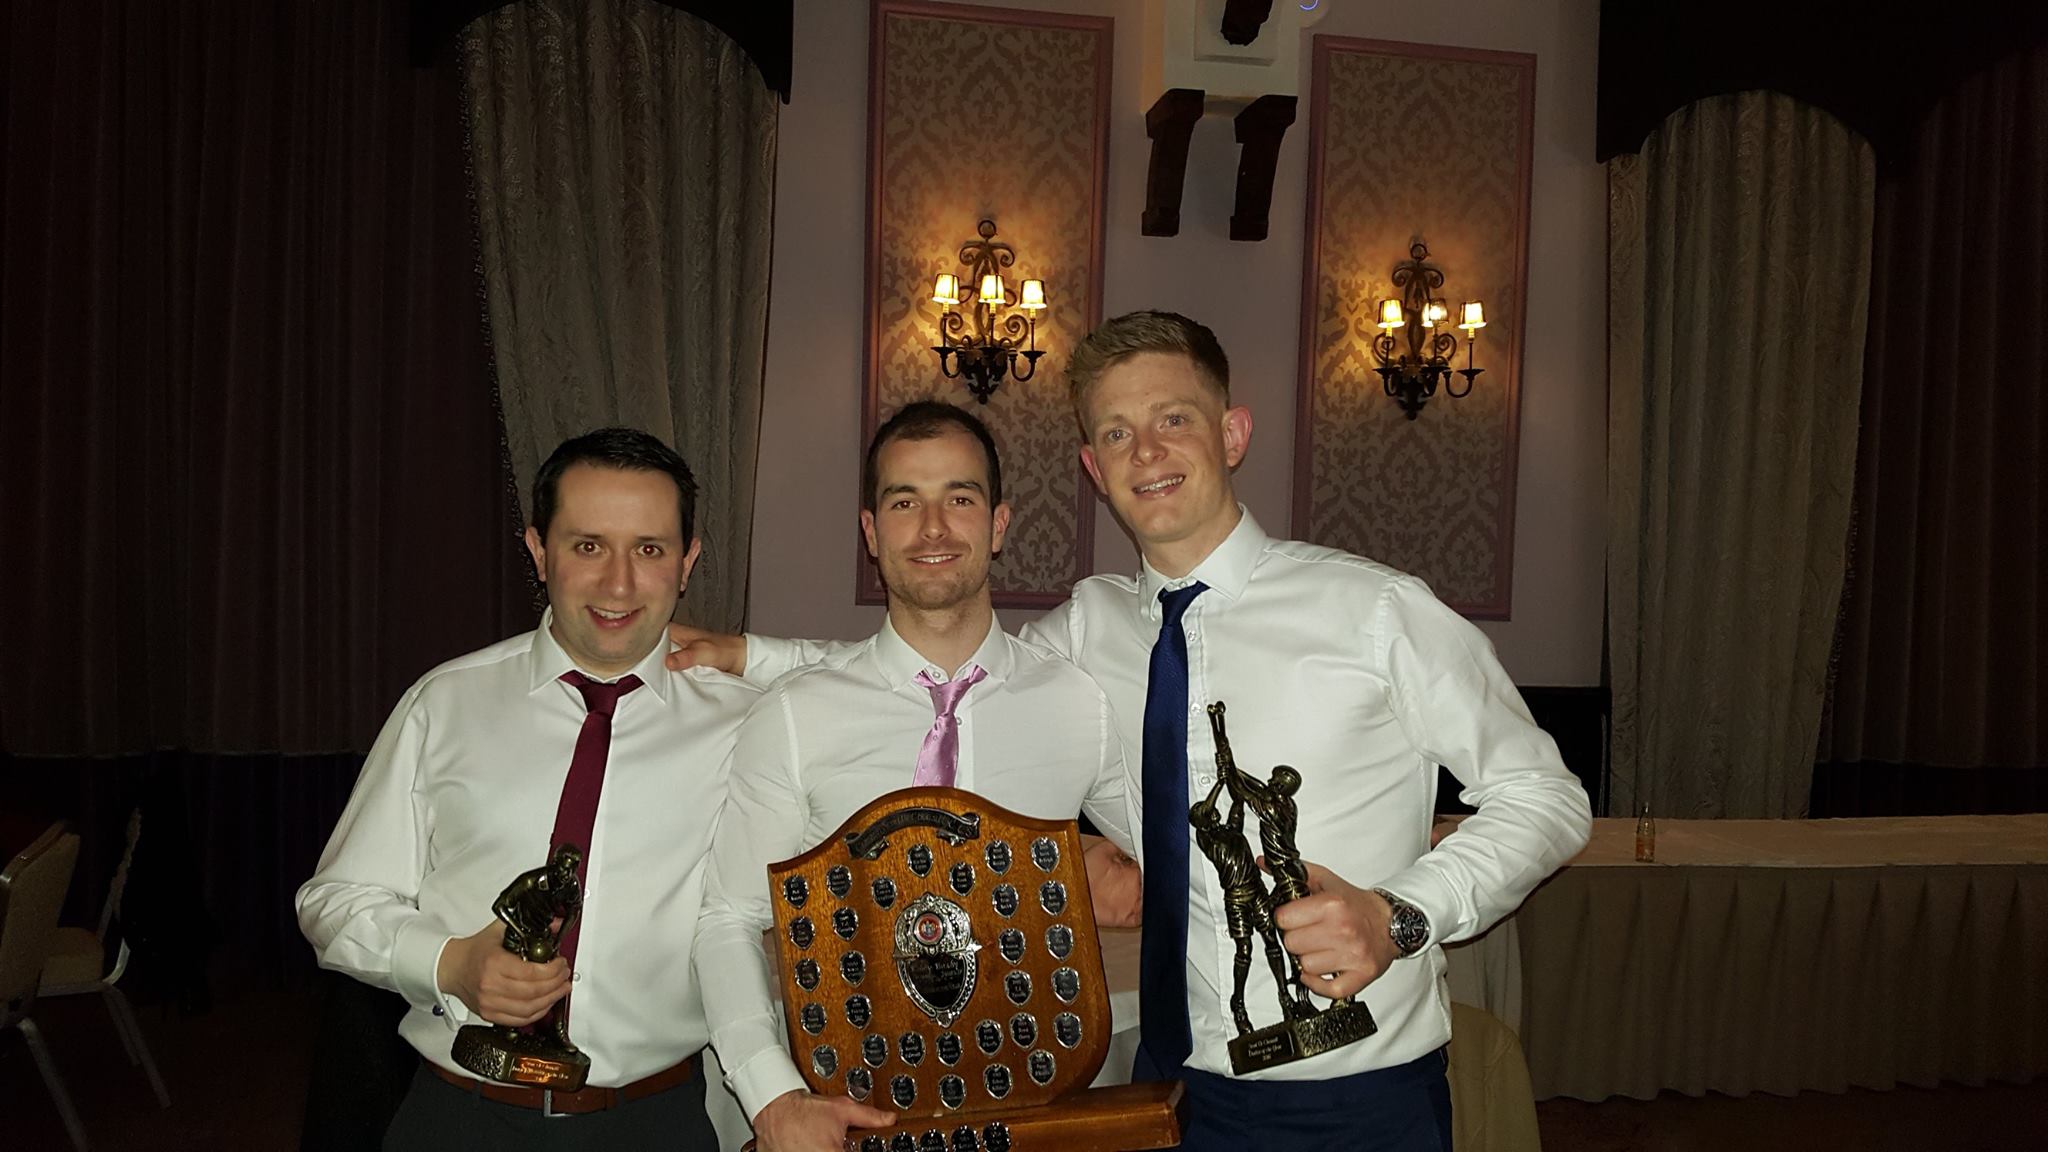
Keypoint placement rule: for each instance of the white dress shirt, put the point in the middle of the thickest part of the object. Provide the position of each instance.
(1035, 737)
(459, 796)
(1362, 680)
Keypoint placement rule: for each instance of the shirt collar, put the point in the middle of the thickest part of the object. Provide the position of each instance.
(900, 663)
(1226, 569)
(549, 661)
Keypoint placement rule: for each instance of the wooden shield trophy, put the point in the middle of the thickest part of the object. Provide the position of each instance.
(939, 959)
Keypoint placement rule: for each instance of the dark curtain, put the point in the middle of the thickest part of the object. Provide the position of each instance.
(1876, 73)
(1939, 693)
(251, 479)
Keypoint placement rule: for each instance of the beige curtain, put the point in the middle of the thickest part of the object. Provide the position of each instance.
(1739, 282)
(624, 160)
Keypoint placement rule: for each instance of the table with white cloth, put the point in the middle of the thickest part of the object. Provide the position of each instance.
(1790, 955)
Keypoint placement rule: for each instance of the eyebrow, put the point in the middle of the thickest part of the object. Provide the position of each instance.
(951, 486)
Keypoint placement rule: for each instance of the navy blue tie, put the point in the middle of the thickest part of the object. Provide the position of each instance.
(1163, 954)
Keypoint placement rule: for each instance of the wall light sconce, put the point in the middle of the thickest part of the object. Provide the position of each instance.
(1411, 377)
(985, 349)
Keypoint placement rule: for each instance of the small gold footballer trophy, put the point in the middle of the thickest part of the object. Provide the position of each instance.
(1304, 1030)
(537, 907)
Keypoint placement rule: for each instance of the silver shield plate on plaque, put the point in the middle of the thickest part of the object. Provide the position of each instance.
(936, 956)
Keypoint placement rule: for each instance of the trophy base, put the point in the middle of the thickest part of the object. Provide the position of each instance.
(498, 1053)
(1123, 1118)
(1290, 1040)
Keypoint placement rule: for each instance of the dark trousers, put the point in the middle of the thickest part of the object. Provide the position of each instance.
(1406, 1108)
(439, 1117)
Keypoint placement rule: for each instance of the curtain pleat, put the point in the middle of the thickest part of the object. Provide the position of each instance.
(250, 476)
(1944, 628)
(623, 157)
(1739, 280)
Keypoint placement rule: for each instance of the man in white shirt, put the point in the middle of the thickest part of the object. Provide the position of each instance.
(941, 696)
(574, 733)
(1349, 671)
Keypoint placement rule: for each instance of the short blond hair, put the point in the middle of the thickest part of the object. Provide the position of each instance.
(1133, 333)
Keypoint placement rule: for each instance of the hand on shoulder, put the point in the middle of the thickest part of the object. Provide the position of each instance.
(697, 648)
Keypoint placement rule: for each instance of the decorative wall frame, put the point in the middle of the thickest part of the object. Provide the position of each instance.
(1002, 114)
(1414, 142)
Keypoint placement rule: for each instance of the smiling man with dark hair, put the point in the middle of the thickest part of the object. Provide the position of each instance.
(571, 734)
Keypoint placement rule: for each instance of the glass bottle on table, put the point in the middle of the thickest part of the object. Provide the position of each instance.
(1646, 834)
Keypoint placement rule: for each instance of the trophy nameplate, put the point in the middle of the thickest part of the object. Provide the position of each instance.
(537, 907)
(1304, 1029)
(939, 959)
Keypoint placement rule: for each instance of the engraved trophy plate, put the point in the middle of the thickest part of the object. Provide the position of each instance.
(1059, 940)
(1011, 945)
(1045, 854)
(1066, 1028)
(1024, 1029)
(974, 908)
(935, 956)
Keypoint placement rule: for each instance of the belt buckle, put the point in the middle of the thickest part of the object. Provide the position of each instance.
(547, 1105)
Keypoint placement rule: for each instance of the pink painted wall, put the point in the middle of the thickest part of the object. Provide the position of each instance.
(804, 528)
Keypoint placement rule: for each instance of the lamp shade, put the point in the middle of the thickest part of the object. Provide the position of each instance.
(1390, 314)
(946, 290)
(992, 290)
(1472, 315)
(1031, 296)
(1433, 314)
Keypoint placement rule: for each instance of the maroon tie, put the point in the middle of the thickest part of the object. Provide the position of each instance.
(576, 818)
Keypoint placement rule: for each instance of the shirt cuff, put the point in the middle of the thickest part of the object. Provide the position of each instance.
(415, 967)
(1428, 890)
(769, 1074)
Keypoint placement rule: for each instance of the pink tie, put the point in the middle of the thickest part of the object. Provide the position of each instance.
(941, 751)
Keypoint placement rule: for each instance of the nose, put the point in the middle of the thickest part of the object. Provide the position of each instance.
(931, 522)
(618, 573)
(1147, 447)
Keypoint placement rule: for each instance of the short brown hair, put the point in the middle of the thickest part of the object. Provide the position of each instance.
(1118, 339)
(927, 420)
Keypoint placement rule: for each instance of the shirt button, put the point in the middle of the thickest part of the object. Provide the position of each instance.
(438, 1011)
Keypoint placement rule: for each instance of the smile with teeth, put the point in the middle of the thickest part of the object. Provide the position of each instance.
(938, 559)
(1165, 485)
(608, 614)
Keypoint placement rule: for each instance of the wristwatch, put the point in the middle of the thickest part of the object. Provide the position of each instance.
(1408, 927)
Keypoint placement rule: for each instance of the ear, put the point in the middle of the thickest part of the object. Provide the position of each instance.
(690, 561)
(1237, 435)
(539, 553)
(1002, 526)
(1094, 470)
(867, 529)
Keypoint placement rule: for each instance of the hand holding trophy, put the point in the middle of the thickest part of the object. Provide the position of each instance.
(1304, 1030)
(536, 908)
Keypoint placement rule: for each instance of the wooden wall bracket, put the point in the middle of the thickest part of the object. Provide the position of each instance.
(1260, 128)
(1168, 124)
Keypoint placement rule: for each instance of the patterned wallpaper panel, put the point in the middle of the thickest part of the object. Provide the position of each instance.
(991, 113)
(1412, 142)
